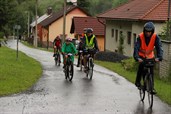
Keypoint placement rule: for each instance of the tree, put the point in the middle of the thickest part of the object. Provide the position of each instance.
(7, 9)
(121, 43)
(166, 31)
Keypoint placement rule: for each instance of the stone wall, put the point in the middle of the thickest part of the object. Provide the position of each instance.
(165, 65)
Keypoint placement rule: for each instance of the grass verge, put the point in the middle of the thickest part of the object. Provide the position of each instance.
(163, 88)
(17, 75)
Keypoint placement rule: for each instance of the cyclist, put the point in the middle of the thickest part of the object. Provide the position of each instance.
(90, 43)
(80, 47)
(144, 49)
(57, 45)
(68, 47)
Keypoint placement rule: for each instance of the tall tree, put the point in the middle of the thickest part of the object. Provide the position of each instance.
(85, 4)
(7, 9)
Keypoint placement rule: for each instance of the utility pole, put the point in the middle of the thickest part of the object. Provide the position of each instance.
(64, 22)
(28, 32)
(35, 38)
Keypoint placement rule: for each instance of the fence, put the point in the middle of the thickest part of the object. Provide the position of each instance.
(165, 65)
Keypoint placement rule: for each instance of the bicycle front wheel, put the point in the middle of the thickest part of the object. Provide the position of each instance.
(90, 69)
(149, 90)
(142, 94)
(71, 72)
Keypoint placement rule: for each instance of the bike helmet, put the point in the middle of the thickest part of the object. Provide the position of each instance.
(57, 37)
(85, 30)
(89, 30)
(149, 27)
(69, 39)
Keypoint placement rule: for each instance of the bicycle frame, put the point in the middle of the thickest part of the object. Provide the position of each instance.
(57, 58)
(81, 59)
(69, 68)
(90, 65)
(147, 82)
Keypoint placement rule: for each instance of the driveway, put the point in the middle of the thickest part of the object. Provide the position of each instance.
(106, 93)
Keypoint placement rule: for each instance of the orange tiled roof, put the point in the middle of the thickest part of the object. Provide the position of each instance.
(154, 10)
(79, 23)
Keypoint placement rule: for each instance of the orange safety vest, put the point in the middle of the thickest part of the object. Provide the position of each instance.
(147, 51)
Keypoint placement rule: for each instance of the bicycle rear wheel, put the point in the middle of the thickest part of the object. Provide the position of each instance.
(56, 59)
(70, 71)
(149, 90)
(90, 69)
(81, 63)
(66, 71)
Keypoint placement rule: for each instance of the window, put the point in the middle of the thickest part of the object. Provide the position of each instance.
(129, 38)
(135, 36)
(116, 35)
(112, 33)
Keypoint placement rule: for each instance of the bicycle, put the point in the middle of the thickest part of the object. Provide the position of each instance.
(69, 68)
(90, 63)
(57, 58)
(147, 82)
(81, 59)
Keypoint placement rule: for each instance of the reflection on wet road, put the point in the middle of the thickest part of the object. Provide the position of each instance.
(107, 92)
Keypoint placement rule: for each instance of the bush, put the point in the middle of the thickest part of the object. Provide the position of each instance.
(110, 56)
(130, 64)
(1, 35)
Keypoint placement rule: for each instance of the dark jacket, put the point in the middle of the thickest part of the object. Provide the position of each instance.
(158, 47)
(55, 40)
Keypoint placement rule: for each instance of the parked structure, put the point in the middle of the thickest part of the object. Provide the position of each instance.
(39, 27)
(53, 25)
(128, 19)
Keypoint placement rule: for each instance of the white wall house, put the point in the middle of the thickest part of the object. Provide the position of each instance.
(129, 19)
(129, 29)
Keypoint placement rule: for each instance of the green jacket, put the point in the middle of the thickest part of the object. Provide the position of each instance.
(70, 48)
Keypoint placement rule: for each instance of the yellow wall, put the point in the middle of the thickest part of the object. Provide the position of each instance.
(56, 28)
(100, 41)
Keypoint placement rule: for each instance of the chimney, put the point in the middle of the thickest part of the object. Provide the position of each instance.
(49, 10)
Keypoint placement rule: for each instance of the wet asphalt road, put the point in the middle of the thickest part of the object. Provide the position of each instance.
(106, 93)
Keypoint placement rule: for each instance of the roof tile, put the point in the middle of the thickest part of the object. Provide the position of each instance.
(139, 10)
(88, 22)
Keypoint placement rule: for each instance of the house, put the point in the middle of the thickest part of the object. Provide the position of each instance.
(129, 19)
(53, 25)
(39, 27)
(79, 23)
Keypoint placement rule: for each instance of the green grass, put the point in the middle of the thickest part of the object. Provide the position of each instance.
(17, 75)
(163, 88)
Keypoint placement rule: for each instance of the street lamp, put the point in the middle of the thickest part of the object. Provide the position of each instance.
(17, 27)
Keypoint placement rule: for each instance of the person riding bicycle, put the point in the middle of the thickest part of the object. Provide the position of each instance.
(68, 47)
(81, 47)
(144, 49)
(90, 43)
(57, 45)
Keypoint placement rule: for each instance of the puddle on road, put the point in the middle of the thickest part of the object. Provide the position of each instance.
(115, 79)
